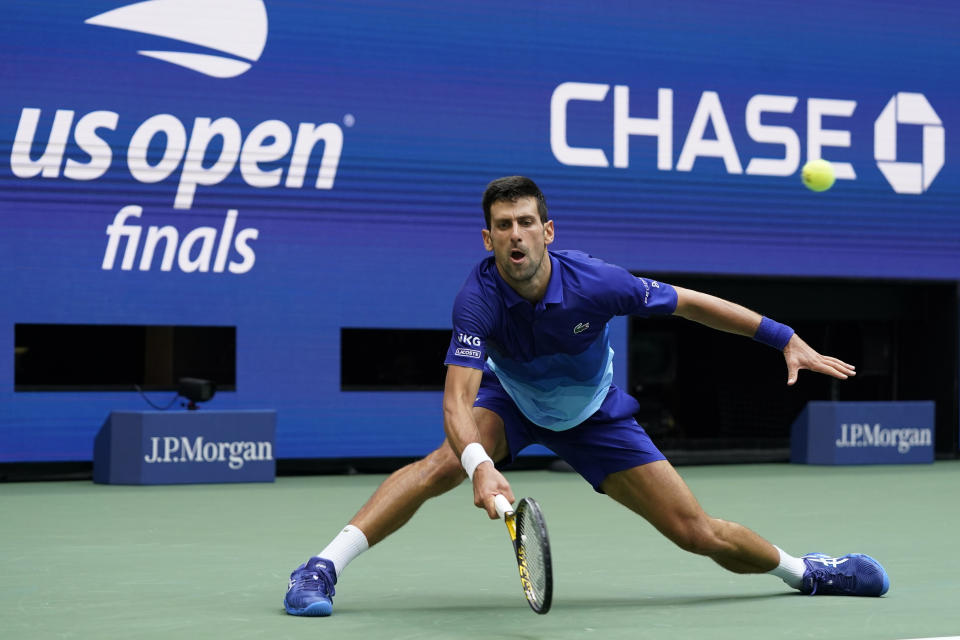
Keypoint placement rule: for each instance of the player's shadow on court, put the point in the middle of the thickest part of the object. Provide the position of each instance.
(500, 603)
(671, 601)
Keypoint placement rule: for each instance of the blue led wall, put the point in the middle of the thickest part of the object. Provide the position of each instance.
(291, 168)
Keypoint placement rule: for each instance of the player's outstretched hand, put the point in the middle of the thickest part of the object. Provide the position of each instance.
(487, 483)
(800, 355)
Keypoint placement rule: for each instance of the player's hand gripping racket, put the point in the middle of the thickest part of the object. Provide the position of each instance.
(528, 532)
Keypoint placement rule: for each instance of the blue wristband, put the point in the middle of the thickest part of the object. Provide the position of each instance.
(773, 334)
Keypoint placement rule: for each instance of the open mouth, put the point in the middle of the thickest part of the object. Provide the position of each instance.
(517, 256)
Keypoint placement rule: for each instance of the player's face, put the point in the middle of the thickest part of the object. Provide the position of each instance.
(519, 242)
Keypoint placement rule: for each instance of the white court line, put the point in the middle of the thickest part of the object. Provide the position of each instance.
(940, 638)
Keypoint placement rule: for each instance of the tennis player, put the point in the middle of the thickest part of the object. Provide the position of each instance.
(530, 362)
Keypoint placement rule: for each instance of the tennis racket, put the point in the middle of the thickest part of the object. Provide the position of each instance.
(528, 532)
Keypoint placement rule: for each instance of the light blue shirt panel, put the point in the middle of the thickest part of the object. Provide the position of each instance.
(563, 399)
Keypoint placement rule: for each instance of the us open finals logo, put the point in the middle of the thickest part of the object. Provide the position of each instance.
(204, 153)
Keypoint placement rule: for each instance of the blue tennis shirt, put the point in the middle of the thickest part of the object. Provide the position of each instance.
(554, 357)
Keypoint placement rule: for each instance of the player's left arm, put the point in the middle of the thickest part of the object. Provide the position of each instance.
(724, 315)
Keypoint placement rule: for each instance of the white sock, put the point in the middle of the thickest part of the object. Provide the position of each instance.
(348, 544)
(790, 569)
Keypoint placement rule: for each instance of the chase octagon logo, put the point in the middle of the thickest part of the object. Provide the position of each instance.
(915, 109)
(237, 28)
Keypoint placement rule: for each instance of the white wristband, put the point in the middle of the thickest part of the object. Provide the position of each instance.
(473, 455)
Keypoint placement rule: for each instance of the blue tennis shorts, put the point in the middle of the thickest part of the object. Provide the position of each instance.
(608, 441)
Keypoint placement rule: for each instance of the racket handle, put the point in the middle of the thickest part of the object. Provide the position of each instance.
(503, 505)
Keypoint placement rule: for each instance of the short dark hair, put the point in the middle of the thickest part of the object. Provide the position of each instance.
(511, 189)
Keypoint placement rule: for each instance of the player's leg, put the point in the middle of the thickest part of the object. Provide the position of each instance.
(658, 493)
(398, 498)
(394, 502)
(616, 456)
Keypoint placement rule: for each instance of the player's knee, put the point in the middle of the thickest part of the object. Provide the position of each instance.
(696, 536)
(442, 471)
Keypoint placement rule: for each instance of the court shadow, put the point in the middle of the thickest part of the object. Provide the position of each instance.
(430, 605)
(672, 600)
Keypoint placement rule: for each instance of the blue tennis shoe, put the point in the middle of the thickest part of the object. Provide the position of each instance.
(854, 574)
(310, 592)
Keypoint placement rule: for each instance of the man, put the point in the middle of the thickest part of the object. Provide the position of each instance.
(530, 362)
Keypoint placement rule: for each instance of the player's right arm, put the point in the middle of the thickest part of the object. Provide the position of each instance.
(459, 393)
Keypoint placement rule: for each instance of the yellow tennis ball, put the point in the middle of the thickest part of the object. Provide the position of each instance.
(818, 175)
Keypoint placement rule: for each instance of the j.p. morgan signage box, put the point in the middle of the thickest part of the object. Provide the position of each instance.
(183, 447)
(863, 433)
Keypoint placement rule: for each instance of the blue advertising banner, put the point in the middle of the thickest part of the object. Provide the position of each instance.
(291, 168)
(185, 447)
(863, 433)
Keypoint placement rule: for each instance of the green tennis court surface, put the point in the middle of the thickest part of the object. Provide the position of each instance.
(79, 560)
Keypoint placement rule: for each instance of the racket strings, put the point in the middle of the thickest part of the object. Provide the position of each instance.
(532, 542)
